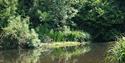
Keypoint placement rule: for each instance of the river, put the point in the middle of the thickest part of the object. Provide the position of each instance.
(95, 53)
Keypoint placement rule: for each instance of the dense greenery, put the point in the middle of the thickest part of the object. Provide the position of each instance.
(18, 35)
(101, 18)
(116, 54)
(26, 23)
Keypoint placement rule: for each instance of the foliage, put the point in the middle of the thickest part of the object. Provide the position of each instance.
(7, 9)
(117, 53)
(18, 35)
(47, 34)
(41, 11)
(60, 20)
(98, 17)
(78, 36)
(102, 12)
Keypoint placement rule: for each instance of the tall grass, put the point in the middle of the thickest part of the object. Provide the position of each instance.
(117, 53)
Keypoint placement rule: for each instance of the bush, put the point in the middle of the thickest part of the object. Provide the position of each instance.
(18, 35)
(47, 34)
(117, 53)
(77, 36)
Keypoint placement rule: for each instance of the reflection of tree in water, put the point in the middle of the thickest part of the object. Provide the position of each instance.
(57, 55)
(64, 55)
(21, 56)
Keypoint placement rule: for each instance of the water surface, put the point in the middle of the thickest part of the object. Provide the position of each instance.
(95, 53)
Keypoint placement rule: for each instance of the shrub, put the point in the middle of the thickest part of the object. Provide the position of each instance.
(47, 34)
(18, 35)
(117, 53)
(77, 36)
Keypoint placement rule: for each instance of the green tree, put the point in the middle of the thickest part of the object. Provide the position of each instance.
(102, 18)
(18, 35)
(7, 9)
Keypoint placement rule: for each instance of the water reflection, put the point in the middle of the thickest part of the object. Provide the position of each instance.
(64, 55)
(77, 54)
(20, 56)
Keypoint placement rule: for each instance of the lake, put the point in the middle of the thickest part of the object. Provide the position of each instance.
(92, 53)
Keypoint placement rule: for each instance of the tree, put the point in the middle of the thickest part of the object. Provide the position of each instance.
(7, 9)
(102, 18)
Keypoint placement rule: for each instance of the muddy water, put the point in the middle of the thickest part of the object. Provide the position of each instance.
(95, 53)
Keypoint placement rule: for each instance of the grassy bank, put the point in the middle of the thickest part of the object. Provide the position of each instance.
(116, 54)
(59, 44)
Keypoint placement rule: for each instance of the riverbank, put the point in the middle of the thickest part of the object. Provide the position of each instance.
(59, 44)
